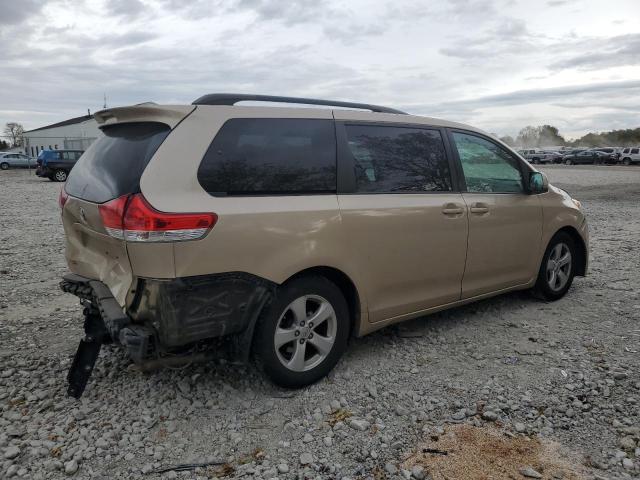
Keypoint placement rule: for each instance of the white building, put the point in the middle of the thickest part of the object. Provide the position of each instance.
(74, 134)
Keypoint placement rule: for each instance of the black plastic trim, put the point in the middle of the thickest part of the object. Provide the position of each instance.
(233, 98)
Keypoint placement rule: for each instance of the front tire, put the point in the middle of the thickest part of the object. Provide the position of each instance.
(303, 333)
(627, 161)
(557, 269)
(568, 161)
(4, 166)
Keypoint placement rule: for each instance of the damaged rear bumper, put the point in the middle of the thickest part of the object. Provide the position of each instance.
(168, 316)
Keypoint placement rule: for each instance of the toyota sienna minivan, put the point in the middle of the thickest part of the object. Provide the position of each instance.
(277, 232)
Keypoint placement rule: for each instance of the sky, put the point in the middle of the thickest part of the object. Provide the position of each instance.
(496, 64)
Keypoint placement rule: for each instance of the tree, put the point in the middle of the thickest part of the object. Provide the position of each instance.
(14, 131)
(528, 137)
(542, 136)
(508, 139)
(549, 136)
(3, 145)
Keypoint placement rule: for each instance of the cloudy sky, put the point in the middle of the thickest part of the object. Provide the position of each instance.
(497, 64)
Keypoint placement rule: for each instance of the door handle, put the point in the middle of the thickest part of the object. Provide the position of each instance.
(452, 209)
(479, 208)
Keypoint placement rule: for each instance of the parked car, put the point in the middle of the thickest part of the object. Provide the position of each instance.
(281, 232)
(613, 152)
(537, 156)
(56, 164)
(583, 157)
(16, 160)
(556, 157)
(630, 155)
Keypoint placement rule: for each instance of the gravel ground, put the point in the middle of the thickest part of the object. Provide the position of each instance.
(566, 372)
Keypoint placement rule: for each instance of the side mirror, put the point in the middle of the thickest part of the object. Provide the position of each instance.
(538, 183)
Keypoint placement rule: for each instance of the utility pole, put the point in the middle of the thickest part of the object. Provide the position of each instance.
(105, 101)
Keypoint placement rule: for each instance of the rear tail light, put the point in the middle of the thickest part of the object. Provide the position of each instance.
(62, 198)
(131, 218)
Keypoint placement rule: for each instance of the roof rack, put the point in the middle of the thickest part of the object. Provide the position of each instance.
(233, 98)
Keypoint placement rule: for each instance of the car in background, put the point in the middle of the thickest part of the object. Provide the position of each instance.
(630, 155)
(613, 152)
(534, 155)
(16, 160)
(556, 157)
(56, 164)
(585, 157)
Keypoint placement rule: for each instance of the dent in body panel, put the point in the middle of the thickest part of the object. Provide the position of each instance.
(152, 260)
(90, 252)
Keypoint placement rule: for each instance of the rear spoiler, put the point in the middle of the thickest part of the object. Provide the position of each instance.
(146, 112)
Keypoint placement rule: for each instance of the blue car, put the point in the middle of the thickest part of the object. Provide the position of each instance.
(56, 164)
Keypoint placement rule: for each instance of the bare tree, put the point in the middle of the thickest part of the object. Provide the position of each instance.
(14, 131)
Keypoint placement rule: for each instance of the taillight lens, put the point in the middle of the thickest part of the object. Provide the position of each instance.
(131, 218)
(62, 198)
(112, 213)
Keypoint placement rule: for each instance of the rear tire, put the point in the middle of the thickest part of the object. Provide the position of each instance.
(627, 161)
(288, 347)
(568, 161)
(60, 176)
(557, 269)
(536, 161)
(4, 166)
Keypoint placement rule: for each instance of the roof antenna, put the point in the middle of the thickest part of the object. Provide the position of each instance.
(105, 101)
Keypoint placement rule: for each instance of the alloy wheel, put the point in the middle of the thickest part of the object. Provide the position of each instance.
(305, 333)
(559, 267)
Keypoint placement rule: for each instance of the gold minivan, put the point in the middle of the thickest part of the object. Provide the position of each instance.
(277, 233)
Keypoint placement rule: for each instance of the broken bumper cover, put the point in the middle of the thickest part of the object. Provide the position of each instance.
(100, 296)
(167, 315)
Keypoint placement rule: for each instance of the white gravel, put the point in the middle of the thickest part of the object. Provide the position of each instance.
(568, 371)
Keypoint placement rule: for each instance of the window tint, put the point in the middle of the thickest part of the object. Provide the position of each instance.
(634, 150)
(486, 166)
(113, 164)
(398, 159)
(277, 155)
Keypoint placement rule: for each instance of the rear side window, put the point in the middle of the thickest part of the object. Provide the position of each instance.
(391, 159)
(113, 164)
(634, 150)
(252, 156)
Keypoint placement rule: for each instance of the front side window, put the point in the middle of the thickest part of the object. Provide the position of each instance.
(271, 156)
(487, 167)
(391, 159)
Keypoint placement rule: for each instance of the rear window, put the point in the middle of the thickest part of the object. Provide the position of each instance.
(253, 156)
(113, 164)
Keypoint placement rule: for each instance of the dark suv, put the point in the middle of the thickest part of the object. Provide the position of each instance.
(56, 164)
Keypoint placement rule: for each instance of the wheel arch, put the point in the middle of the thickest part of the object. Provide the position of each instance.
(346, 286)
(578, 241)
